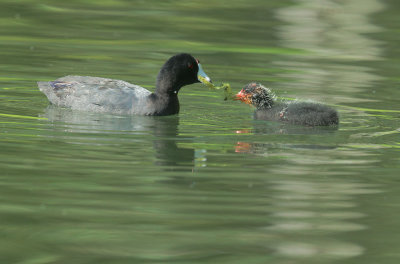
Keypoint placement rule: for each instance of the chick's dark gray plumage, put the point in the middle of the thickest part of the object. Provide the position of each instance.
(294, 112)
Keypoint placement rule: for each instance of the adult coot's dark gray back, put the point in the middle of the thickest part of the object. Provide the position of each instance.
(296, 112)
(116, 96)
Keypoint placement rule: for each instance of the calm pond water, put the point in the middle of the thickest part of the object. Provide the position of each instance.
(210, 185)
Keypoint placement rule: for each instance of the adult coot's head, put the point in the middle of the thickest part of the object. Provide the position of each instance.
(180, 70)
(257, 95)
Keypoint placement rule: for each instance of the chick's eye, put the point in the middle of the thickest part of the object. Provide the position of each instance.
(190, 66)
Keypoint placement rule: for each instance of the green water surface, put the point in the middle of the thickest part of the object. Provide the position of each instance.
(210, 185)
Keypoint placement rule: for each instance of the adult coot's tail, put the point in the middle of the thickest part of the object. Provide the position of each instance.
(43, 86)
(48, 90)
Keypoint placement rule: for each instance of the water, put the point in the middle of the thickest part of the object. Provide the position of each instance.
(210, 185)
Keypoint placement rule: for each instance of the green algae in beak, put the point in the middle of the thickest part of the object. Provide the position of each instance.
(228, 95)
(202, 76)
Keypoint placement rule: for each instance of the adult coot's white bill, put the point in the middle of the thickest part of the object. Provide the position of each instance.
(295, 112)
(115, 96)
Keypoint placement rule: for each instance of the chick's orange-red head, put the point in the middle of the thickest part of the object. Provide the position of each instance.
(244, 97)
(257, 95)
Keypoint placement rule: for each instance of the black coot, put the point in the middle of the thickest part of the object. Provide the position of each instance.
(115, 96)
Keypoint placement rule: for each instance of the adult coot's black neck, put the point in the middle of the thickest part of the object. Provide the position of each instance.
(180, 70)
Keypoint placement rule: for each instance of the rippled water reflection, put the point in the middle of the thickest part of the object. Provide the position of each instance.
(210, 185)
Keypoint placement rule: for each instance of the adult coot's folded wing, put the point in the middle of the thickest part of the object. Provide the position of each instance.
(95, 94)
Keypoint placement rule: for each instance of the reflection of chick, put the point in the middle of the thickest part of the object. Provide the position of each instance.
(296, 112)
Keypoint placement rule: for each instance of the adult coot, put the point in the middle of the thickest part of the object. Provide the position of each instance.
(295, 112)
(116, 96)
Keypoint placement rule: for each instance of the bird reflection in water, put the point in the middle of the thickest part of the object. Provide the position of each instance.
(161, 131)
(277, 128)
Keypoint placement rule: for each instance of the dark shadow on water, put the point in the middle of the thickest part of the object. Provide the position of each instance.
(168, 153)
(161, 131)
